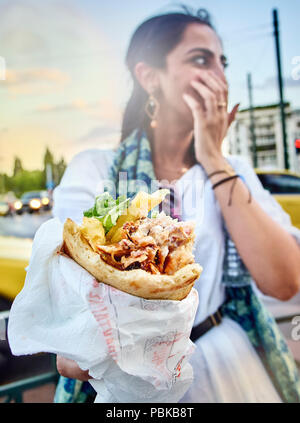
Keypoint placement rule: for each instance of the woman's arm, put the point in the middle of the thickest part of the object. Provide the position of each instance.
(270, 253)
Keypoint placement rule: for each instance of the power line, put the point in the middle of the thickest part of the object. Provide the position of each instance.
(262, 55)
(251, 39)
(245, 35)
(249, 29)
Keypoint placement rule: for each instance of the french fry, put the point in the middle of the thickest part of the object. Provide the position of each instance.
(115, 233)
(92, 229)
(144, 202)
(140, 206)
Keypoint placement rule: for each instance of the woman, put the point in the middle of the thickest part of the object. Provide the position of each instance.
(179, 101)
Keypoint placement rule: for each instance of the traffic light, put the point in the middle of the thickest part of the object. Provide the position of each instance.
(297, 145)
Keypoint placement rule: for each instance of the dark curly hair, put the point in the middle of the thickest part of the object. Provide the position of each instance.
(151, 42)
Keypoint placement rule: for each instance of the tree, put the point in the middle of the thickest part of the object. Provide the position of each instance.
(48, 158)
(48, 169)
(17, 166)
(27, 181)
(60, 168)
(24, 180)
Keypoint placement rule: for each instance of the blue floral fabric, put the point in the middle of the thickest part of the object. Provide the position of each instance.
(73, 391)
(133, 160)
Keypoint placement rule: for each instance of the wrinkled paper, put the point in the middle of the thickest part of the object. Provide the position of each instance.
(136, 350)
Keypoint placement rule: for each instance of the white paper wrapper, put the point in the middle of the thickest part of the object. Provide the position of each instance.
(136, 350)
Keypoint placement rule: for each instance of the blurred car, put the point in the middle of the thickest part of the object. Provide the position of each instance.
(33, 201)
(5, 208)
(285, 187)
(14, 258)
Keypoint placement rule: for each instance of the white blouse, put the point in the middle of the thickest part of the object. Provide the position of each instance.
(226, 366)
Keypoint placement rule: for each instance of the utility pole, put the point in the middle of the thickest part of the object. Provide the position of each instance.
(252, 121)
(280, 85)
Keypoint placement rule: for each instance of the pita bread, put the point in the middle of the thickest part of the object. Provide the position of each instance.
(136, 282)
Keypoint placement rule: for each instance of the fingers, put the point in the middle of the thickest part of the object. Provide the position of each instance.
(196, 109)
(221, 83)
(69, 368)
(208, 97)
(194, 105)
(232, 114)
(216, 85)
(213, 94)
(212, 110)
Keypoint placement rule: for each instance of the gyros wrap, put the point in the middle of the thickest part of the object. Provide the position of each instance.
(149, 257)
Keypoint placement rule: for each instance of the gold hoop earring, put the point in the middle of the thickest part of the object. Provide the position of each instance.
(152, 108)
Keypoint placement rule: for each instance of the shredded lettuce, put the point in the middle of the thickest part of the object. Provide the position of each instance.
(108, 210)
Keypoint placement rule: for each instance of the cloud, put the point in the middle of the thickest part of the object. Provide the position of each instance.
(26, 76)
(35, 31)
(104, 110)
(77, 104)
(272, 82)
(34, 80)
(95, 134)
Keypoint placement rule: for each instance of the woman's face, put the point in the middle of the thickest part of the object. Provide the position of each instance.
(199, 52)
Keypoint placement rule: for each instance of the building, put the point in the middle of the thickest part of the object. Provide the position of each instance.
(268, 136)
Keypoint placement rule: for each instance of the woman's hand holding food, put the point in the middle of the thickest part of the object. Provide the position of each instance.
(69, 368)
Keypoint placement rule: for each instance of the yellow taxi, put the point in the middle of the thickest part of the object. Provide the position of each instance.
(284, 185)
(14, 258)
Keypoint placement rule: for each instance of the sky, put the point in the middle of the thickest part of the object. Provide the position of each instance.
(66, 83)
